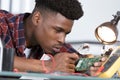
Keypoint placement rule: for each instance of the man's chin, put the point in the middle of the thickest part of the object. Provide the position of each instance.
(51, 52)
(48, 51)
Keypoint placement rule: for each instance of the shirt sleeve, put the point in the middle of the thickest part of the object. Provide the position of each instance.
(4, 31)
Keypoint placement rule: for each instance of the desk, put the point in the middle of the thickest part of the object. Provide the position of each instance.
(37, 76)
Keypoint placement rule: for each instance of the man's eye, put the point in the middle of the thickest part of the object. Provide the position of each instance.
(59, 30)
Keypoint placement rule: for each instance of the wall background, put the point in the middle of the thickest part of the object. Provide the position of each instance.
(95, 13)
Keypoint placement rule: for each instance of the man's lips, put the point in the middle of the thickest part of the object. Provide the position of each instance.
(56, 49)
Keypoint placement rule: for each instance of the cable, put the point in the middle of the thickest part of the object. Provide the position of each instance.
(53, 66)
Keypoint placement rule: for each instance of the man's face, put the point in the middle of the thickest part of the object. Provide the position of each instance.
(50, 32)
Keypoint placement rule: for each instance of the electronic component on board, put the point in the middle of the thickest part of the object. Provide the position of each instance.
(84, 64)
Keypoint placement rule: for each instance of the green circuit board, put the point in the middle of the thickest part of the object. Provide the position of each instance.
(85, 63)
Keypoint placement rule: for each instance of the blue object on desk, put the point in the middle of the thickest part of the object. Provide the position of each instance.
(8, 59)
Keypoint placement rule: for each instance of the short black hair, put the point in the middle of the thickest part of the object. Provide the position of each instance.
(71, 9)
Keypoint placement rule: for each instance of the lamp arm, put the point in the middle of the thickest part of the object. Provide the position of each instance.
(116, 18)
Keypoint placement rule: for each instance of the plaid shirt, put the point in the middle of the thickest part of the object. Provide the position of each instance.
(12, 33)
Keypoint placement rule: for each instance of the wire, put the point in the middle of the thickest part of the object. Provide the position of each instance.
(53, 66)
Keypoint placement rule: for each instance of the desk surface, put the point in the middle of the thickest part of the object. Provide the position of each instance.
(52, 76)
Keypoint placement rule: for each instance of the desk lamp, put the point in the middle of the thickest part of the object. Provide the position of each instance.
(107, 32)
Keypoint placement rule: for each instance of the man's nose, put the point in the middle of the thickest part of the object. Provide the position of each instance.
(61, 39)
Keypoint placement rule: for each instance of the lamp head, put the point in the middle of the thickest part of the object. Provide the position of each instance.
(107, 32)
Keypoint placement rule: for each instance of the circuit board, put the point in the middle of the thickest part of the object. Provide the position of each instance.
(85, 63)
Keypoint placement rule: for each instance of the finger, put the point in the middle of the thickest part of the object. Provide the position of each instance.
(73, 56)
(94, 68)
(71, 66)
(71, 61)
(103, 59)
(97, 64)
(70, 70)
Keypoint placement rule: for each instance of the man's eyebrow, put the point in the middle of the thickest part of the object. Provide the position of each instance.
(61, 29)
(68, 32)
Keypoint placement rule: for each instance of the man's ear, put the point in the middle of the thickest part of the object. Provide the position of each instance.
(36, 18)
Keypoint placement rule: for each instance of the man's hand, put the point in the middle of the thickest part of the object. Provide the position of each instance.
(65, 62)
(96, 66)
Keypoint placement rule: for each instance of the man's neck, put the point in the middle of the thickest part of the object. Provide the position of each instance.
(27, 24)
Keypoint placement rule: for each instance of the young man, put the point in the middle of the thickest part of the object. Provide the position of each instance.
(42, 32)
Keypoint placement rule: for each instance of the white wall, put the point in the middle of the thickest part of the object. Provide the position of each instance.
(18, 6)
(4, 4)
(95, 13)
